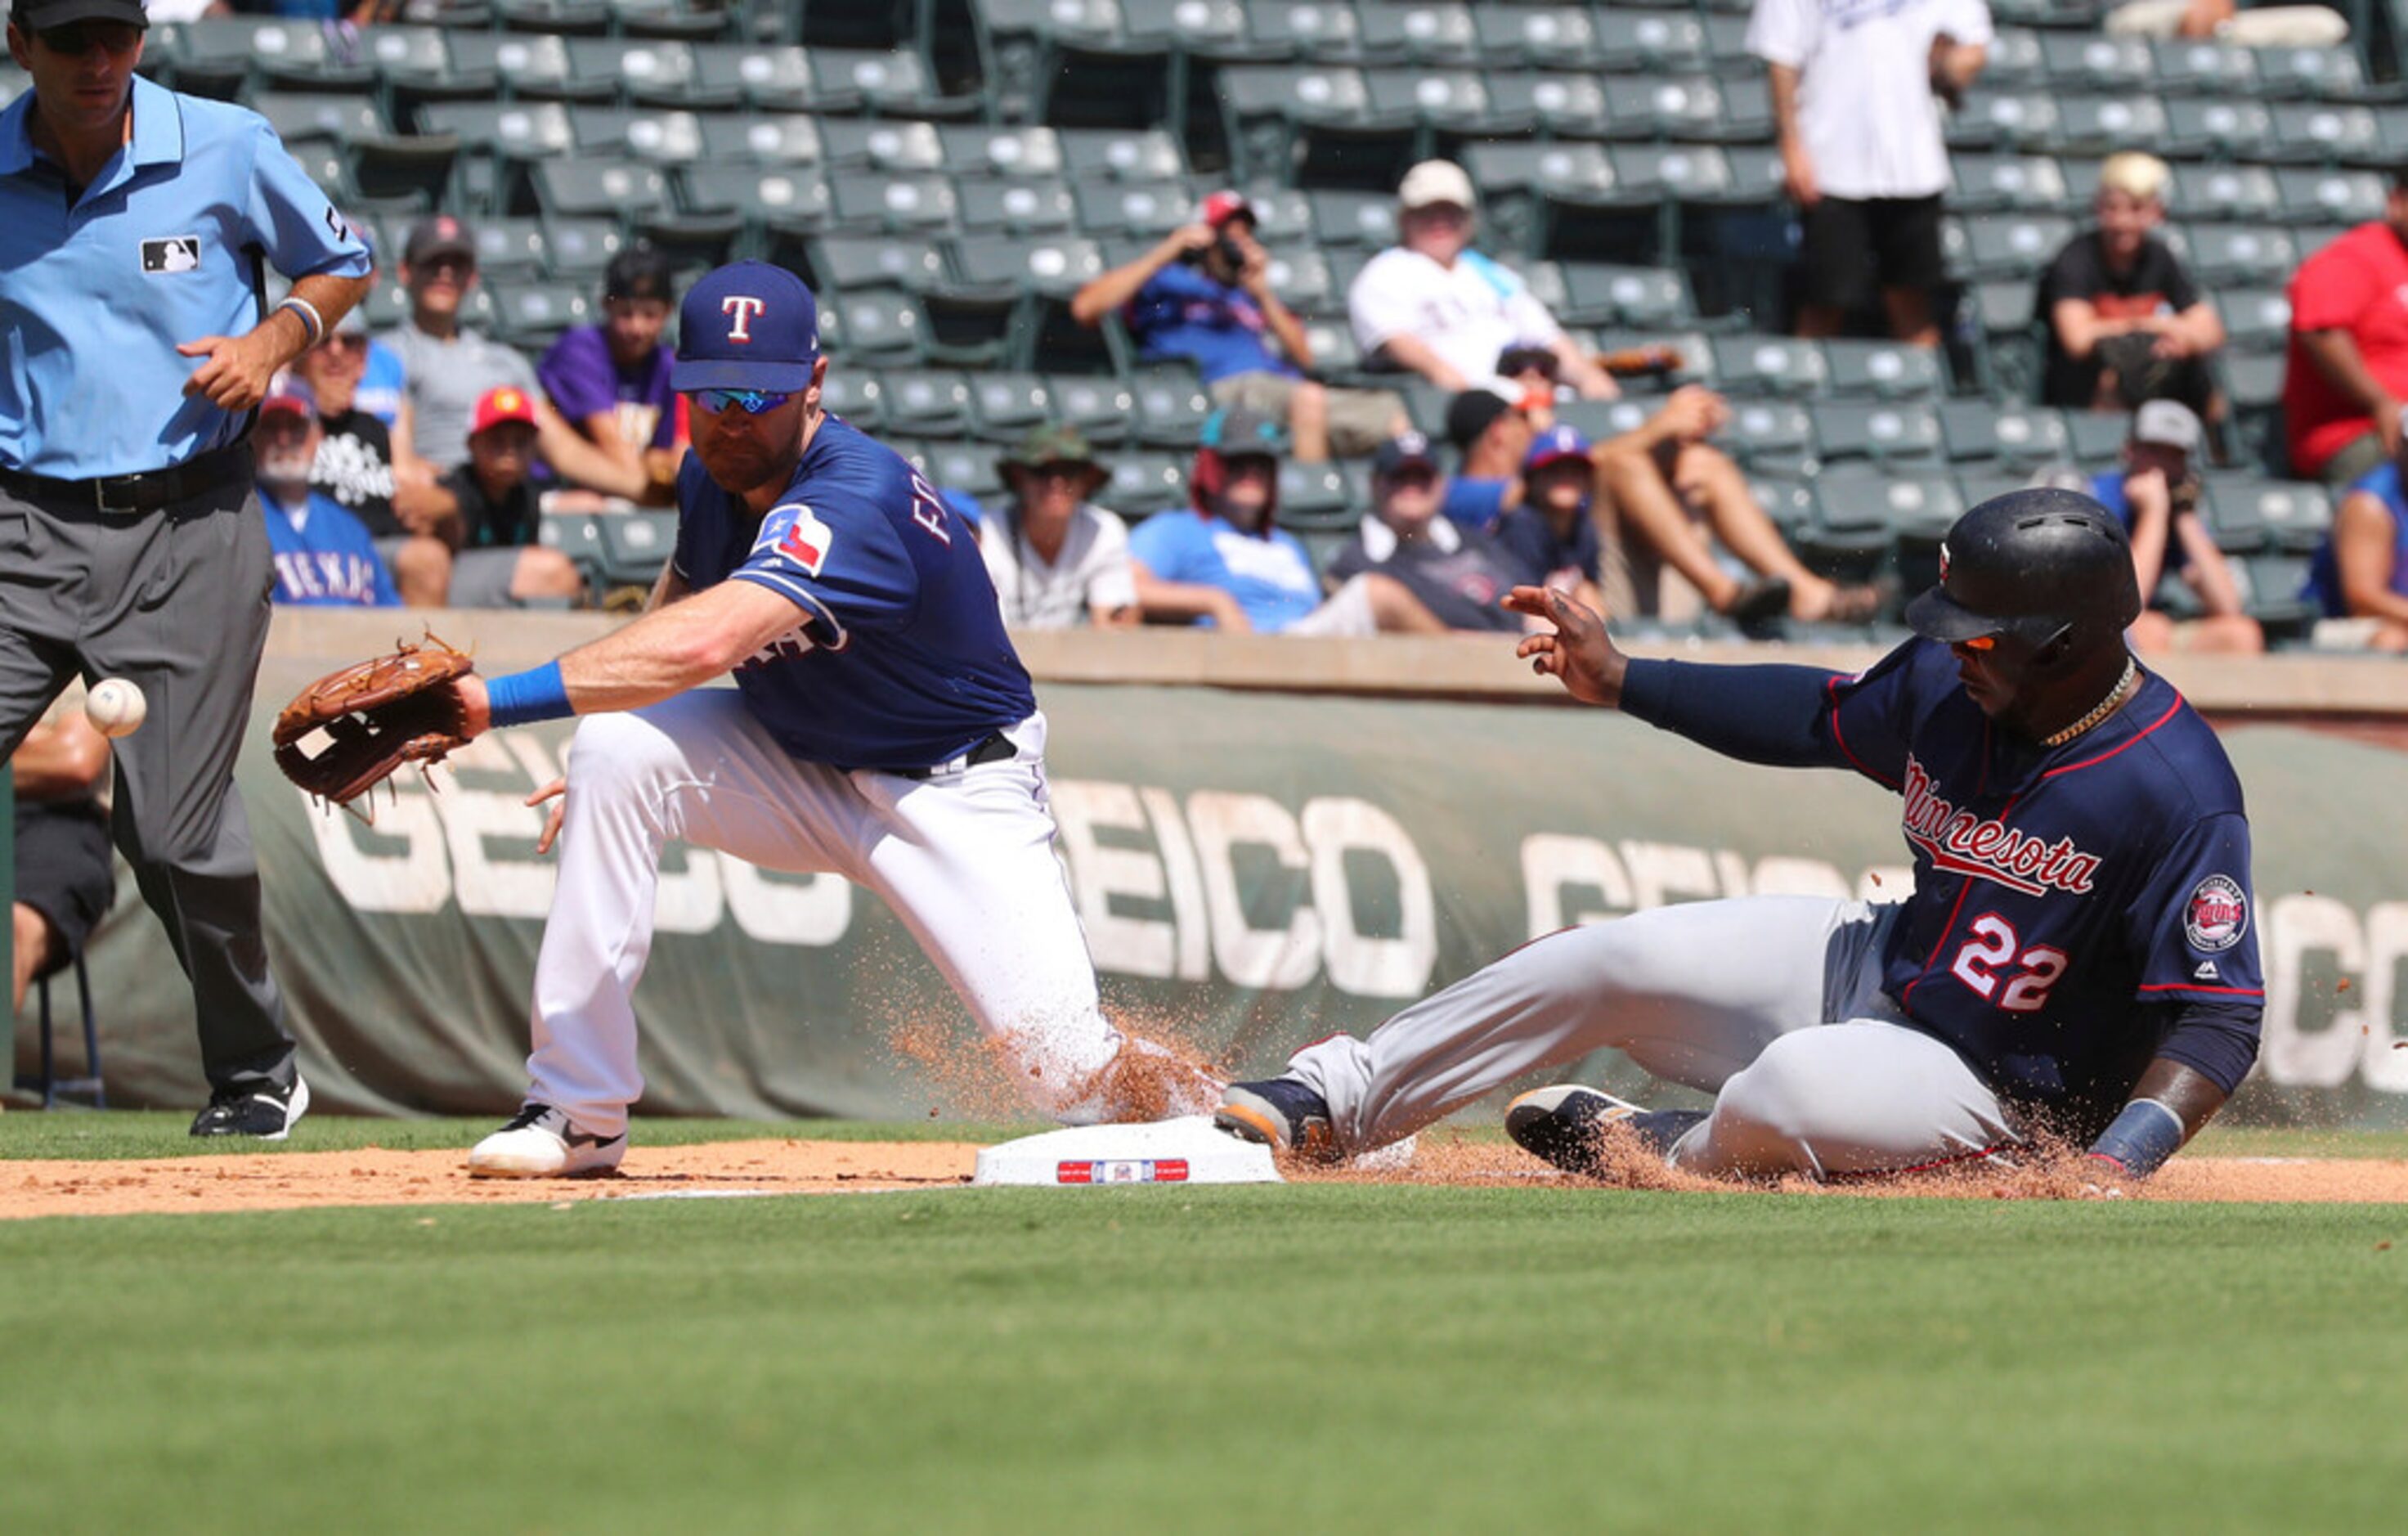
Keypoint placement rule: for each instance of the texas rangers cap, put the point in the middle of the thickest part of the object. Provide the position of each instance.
(747, 326)
(1406, 450)
(1554, 445)
(42, 15)
(441, 235)
(287, 392)
(2167, 424)
(509, 403)
(1219, 207)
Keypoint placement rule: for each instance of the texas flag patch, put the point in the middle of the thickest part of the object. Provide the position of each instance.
(792, 533)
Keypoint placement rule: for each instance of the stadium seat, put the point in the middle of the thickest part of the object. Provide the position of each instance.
(2343, 198)
(1444, 101)
(848, 262)
(2095, 438)
(2255, 319)
(1561, 106)
(1681, 173)
(1996, 183)
(1316, 30)
(1053, 266)
(1098, 408)
(893, 202)
(964, 466)
(2325, 133)
(924, 403)
(635, 547)
(2014, 245)
(1650, 42)
(857, 395)
(2253, 379)
(647, 72)
(2019, 439)
(1099, 154)
(2015, 60)
(878, 326)
(2331, 74)
(410, 64)
(1268, 110)
(1334, 353)
(324, 116)
(777, 204)
(1771, 437)
(2198, 66)
(578, 537)
(1169, 406)
(770, 79)
(767, 138)
(1644, 297)
(2003, 119)
(1884, 431)
(567, 18)
(533, 315)
(2241, 192)
(1012, 152)
(1545, 37)
(526, 66)
(1315, 496)
(1146, 210)
(600, 188)
(1850, 522)
(1020, 207)
(2078, 60)
(1692, 107)
(579, 248)
(2294, 515)
(1143, 484)
(1281, 214)
(668, 19)
(895, 84)
(1759, 364)
(1388, 32)
(1789, 502)
(1004, 406)
(511, 248)
(2233, 128)
(661, 138)
(2220, 255)
(880, 144)
(1301, 275)
(1888, 370)
(2270, 589)
(1086, 62)
(226, 58)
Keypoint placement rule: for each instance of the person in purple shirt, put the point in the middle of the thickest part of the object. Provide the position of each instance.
(2077, 956)
(324, 556)
(612, 381)
(1204, 294)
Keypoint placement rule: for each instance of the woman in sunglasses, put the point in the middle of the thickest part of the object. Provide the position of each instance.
(881, 727)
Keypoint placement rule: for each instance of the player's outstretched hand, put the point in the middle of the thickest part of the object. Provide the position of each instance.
(1578, 655)
(557, 793)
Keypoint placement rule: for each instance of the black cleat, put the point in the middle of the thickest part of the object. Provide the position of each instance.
(1282, 1113)
(1565, 1126)
(266, 1114)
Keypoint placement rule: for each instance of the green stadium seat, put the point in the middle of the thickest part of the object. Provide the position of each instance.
(895, 84)
(778, 204)
(1787, 501)
(1170, 406)
(878, 326)
(1267, 111)
(2295, 515)
(1214, 32)
(1098, 408)
(578, 535)
(225, 58)
(1053, 266)
(414, 63)
(1090, 154)
(2019, 439)
(527, 65)
(1850, 523)
(2077, 61)
(511, 248)
(1759, 364)
(1650, 42)
(925, 403)
(1548, 36)
(1365, 221)
(599, 188)
(1886, 370)
(567, 18)
(1642, 297)
(1884, 431)
(880, 145)
(767, 138)
(668, 19)
(581, 247)
(847, 262)
(1998, 183)
(2105, 125)
(1684, 173)
(2255, 319)
(533, 315)
(1435, 33)
(2015, 60)
(2325, 133)
(2230, 502)
(635, 546)
(893, 203)
(2254, 378)
(1143, 484)
(2270, 591)
(1562, 106)
(2095, 438)
(2331, 74)
(857, 395)
(328, 117)
(2003, 119)
(659, 137)
(1024, 207)
(1316, 30)
(1145, 211)
(2343, 198)
(1315, 496)
(2228, 127)
(1004, 405)
(1448, 101)
(2008, 245)
(1650, 106)
(772, 79)
(1770, 436)
(647, 72)
(959, 466)
(1008, 152)
(1023, 44)
(2237, 192)
(2198, 67)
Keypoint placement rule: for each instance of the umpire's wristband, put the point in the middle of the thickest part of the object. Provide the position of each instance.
(537, 693)
(2142, 1139)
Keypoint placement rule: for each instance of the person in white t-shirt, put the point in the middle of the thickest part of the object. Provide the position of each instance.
(1432, 305)
(1055, 560)
(1856, 87)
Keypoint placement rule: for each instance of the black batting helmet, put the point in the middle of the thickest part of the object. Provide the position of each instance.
(2047, 567)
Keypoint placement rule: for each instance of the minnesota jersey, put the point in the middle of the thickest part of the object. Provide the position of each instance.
(2063, 896)
(898, 658)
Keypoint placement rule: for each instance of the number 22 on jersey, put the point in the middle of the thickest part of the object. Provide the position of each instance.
(1992, 946)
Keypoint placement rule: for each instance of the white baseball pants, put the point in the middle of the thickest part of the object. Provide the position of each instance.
(965, 859)
(1773, 1004)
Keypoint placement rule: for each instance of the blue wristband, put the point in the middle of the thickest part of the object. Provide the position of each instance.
(2142, 1139)
(537, 693)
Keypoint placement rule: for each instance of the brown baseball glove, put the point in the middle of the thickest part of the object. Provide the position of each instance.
(351, 730)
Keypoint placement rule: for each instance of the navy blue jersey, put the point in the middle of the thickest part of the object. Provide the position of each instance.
(900, 659)
(2077, 909)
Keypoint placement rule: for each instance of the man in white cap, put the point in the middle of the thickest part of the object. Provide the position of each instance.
(1433, 306)
(2155, 497)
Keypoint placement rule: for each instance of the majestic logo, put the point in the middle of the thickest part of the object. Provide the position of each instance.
(2216, 914)
(1962, 843)
(743, 306)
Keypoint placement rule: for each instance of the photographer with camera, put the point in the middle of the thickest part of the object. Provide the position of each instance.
(2155, 497)
(1204, 294)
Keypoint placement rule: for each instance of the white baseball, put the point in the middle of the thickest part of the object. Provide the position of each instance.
(115, 707)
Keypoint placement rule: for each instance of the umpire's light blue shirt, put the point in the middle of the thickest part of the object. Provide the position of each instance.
(161, 249)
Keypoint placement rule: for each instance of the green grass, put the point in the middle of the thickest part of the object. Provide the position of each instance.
(1323, 1358)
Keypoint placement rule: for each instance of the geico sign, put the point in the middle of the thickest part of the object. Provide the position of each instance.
(2319, 1041)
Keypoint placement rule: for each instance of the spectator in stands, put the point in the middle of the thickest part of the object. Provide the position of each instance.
(1552, 539)
(450, 368)
(610, 381)
(484, 552)
(1433, 306)
(2348, 366)
(1459, 575)
(2242, 23)
(354, 466)
(324, 557)
(1490, 429)
(1855, 103)
(2361, 572)
(1225, 562)
(67, 876)
(1056, 559)
(1205, 294)
(2156, 496)
(2125, 323)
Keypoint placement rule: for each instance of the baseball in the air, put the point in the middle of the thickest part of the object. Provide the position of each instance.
(115, 707)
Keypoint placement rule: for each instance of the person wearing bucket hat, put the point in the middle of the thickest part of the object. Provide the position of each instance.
(1056, 559)
(881, 729)
(1228, 563)
(1459, 575)
(2155, 493)
(1433, 306)
(2074, 958)
(1204, 294)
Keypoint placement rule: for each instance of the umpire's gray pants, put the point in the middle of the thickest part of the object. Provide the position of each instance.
(176, 600)
(1773, 1004)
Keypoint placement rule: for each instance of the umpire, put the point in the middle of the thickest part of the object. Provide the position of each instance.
(135, 226)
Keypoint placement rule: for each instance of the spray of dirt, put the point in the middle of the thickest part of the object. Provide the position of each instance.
(1158, 1074)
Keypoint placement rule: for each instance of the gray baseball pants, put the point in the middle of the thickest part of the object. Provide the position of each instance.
(176, 600)
(1772, 1004)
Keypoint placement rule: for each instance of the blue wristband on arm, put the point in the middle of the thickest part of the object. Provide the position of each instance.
(537, 693)
(2142, 1139)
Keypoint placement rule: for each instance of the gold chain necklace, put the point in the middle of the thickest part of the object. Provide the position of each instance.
(2106, 707)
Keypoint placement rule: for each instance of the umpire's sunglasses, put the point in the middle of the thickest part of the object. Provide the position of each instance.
(78, 38)
(753, 402)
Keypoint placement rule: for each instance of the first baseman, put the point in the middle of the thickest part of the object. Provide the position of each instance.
(2077, 955)
(881, 727)
(133, 226)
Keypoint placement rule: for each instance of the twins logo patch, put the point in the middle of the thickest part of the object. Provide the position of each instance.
(175, 253)
(2216, 914)
(799, 535)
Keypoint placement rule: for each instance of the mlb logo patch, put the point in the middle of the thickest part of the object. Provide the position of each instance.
(175, 253)
(2216, 914)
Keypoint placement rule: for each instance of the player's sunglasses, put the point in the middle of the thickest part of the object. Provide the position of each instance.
(753, 402)
(78, 38)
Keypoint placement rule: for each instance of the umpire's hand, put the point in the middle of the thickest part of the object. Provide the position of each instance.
(237, 375)
(1578, 653)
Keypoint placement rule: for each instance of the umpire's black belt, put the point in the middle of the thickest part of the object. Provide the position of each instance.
(131, 496)
(995, 749)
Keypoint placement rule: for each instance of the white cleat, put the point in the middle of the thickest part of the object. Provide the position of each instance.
(544, 1143)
